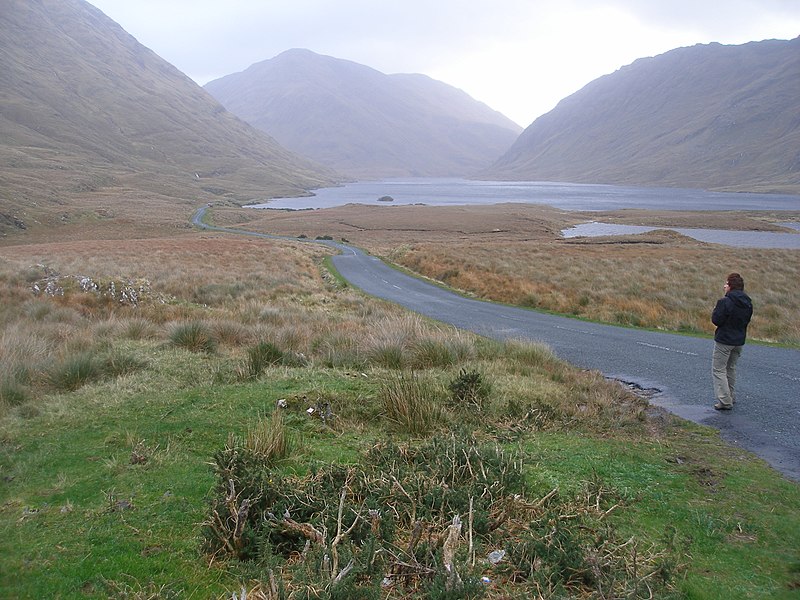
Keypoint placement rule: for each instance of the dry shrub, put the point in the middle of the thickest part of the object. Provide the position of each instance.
(428, 520)
(469, 389)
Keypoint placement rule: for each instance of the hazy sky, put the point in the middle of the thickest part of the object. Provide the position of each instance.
(518, 56)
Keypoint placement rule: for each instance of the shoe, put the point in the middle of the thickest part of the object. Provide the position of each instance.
(721, 406)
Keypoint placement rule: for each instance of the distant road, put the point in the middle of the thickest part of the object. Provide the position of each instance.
(766, 419)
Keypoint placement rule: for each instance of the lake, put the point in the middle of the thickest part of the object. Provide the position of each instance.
(566, 196)
(739, 239)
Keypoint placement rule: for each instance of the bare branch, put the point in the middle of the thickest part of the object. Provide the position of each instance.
(305, 529)
(343, 573)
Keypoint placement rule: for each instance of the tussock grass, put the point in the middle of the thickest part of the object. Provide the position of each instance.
(270, 440)
(229, 332)
(431, 353)
(194, 336)
(12, 392)
(339, 350)
(75, 371)
(261, 356)
(138, 328)
(118, 363)
(412, 404)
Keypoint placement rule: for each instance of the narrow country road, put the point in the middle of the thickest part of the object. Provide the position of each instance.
(766, 419)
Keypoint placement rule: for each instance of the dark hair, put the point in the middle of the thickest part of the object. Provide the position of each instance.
(735, 281)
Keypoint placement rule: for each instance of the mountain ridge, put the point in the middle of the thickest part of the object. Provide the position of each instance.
(708, 116)
(85, 109)
(362, 122)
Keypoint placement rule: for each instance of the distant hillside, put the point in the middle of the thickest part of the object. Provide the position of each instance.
(708, 116)
(364, 123)
(85, 108)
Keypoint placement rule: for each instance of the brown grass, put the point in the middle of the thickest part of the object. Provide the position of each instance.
(249, 291)
(668, 287)
(514, 253)
(241, 291)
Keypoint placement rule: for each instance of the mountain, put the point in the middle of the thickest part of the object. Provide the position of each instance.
(85, 109)
(364, 123)
(707, 116)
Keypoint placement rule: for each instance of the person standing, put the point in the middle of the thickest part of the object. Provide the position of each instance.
(731, 315)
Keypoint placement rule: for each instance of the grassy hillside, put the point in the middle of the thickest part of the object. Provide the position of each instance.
(365, 123)
(94, 124)
(708, 116)
(159, 445)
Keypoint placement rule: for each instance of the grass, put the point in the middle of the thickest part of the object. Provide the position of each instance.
(667, 288)
(270, 440)
(514, 254)
(105, 487)
(193, 336)
(411, 404)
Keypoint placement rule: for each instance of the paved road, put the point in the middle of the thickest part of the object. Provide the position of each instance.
(766, 419)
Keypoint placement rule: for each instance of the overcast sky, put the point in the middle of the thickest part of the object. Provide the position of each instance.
(518, 56)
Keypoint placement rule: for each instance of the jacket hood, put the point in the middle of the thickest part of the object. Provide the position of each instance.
(740, 298)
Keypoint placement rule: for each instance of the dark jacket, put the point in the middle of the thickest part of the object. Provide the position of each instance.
(731, 316)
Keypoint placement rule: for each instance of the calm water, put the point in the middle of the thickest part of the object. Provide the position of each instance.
(567, 196)
(740, 239)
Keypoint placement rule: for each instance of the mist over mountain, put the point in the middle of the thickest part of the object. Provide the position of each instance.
(85, 109)
(706, 116)
(364, 123)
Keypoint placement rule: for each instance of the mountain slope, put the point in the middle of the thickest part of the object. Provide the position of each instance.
(707, 116)
(85, 108)
(362, 122)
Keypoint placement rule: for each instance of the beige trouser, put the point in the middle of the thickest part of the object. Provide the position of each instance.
(723, 369)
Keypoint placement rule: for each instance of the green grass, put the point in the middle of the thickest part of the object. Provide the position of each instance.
(68, 479)
(738, 522)
(68, 539)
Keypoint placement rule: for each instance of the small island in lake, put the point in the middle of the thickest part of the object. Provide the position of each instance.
(385, 199)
